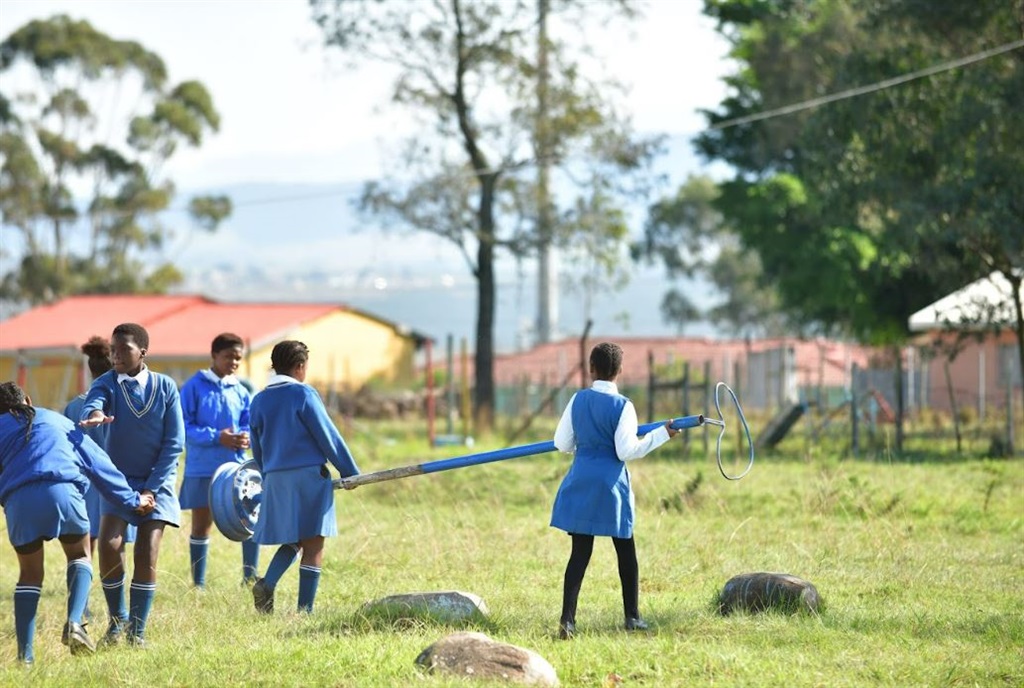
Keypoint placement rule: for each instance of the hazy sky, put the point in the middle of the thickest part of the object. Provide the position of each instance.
(290, 111)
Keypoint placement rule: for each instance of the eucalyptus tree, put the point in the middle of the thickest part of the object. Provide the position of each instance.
(86, 125)
(469, 70)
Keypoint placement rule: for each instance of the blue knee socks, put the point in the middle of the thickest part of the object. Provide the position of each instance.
(113, 591)
(141, 602)
(284, 557)
(198, 549)
(79, 582)
(309, 579)
(26, 602)
(250, 559)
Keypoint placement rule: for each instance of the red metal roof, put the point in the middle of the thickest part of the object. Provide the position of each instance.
(177, 325)
(817, 360)
(71, 321)
(190, 331)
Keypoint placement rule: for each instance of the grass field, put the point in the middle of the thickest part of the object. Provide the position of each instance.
(920, 566)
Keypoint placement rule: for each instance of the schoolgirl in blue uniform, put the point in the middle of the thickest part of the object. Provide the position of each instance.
(46, 465)
(293, 439)
(599, 426)
(215, 406)
(97, 350)
(146, 437)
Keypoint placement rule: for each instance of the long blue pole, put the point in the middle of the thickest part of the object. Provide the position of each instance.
(490, 457)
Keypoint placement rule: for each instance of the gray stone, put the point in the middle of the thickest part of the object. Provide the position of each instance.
(443, 606)
(758, 592)
(474, 655)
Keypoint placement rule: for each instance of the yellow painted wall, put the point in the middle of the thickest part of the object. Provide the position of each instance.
(347, 350)
(54, 378)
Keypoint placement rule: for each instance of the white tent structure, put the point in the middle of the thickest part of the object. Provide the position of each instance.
(984, 302)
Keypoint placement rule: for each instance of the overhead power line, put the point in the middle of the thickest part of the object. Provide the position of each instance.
(870, 88)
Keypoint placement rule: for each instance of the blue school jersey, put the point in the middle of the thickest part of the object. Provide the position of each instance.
(56, 451)
(145, 439)
(291, 429)
(595, 497)
(210, 404)
(73, 412)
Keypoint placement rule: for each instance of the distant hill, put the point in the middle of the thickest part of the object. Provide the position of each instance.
(292, 242)
(313, 248)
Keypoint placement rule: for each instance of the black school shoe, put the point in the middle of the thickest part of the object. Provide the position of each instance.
(636, 624)
(115, 632)
(263, 597)
(77, 639)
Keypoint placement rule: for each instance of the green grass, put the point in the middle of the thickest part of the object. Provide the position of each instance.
(920, 566)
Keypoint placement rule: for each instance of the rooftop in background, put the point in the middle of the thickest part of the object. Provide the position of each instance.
(178, 325)
(986, 301)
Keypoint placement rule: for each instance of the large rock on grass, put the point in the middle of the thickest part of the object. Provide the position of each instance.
(440, 606)
(474, 655)
(759, 592)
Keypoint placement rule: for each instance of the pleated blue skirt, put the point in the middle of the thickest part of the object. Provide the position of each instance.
(195, 493)
(45, 510)
(167, 508)
(297, 504)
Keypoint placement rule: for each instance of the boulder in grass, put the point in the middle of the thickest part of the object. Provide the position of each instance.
(475, 655)
(440, 606)
(759, 592)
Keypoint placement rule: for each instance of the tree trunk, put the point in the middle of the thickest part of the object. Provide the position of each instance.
(483, 408)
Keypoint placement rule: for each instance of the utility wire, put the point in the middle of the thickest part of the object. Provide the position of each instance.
(870, 88)
(734, 122)
(796, 107)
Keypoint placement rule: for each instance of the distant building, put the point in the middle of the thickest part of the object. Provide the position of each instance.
(348, 348)
(976, 322)
(768, 373)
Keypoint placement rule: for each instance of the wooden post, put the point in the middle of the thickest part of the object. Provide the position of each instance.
(707, 402)
(650, 385)
(430, 392)
(450, 381)
(854, 428)
(686, 406)
(466, 399)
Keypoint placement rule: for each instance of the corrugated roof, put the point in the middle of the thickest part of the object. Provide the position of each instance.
(69, 322)
(988, 300)
(189, 332)
(177, 325)
(817, 360)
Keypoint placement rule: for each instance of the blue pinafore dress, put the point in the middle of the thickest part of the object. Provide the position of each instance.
(595, 497)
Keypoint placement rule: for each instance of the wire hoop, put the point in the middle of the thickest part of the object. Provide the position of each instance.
(721, 423)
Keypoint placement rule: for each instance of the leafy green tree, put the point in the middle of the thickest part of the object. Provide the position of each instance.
(866, 209)
(469, 69)
(61, 145)
(688, 236)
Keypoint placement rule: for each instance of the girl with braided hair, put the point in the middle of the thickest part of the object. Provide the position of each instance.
(293, 439)
(46, 466)
(97, 351)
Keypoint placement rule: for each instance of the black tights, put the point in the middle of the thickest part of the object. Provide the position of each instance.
(579, 558)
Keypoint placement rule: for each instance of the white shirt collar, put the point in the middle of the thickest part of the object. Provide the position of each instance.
(142, 378)
(226, 381)
(277, 380)
(605, 386)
